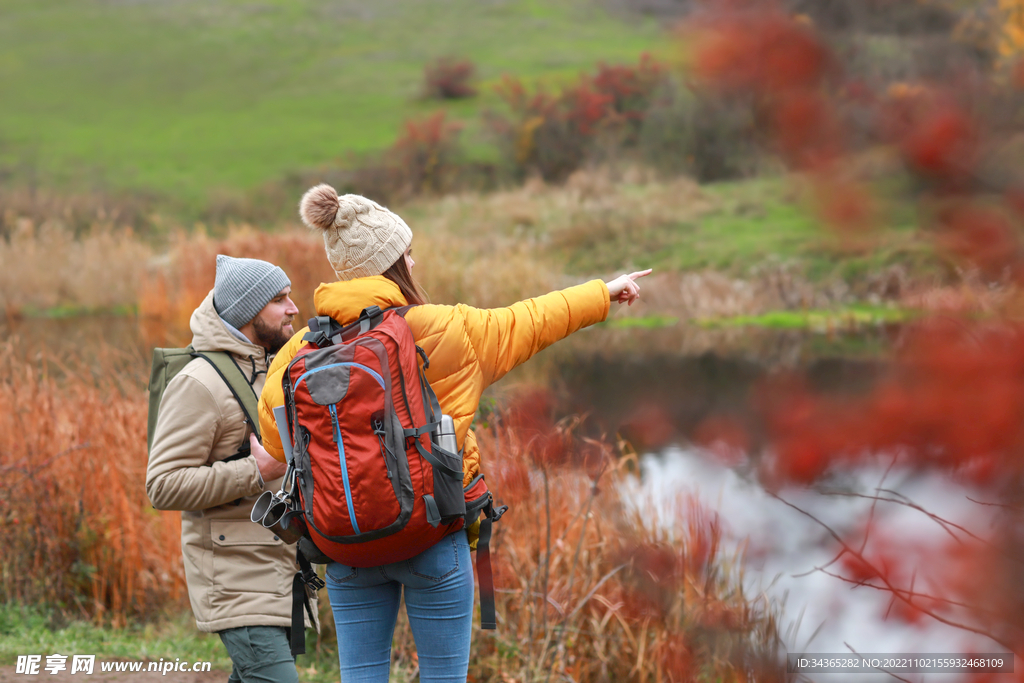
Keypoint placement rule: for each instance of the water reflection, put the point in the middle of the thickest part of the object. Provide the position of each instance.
(783, 550)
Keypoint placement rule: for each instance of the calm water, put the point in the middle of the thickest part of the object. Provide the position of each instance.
(783, 550)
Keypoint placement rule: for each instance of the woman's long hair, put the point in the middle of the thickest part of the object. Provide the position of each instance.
(399, 274)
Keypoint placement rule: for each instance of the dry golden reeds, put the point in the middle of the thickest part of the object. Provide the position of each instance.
(77, 529)
(483, 250)
(453, 267)
(46, 265)
(591, 585)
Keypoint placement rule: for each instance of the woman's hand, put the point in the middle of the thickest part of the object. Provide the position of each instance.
(624, 288)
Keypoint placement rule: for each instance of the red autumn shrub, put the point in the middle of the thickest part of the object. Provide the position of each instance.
(758, 49)
(424, 157)
(448, 78)
(980, 235)
(631, 88)
(940, 141)
(553, 133)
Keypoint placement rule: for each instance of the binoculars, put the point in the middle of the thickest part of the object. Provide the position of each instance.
(271, 511)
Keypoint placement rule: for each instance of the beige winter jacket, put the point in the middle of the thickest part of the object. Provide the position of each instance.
(238, 573)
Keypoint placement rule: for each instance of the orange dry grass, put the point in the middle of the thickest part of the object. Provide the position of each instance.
(167, 298)
(47, 265)
(452, 268)
(77, 530)
(591, 587)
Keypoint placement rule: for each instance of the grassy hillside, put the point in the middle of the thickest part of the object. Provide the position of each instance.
(598, 224)
(188, 96)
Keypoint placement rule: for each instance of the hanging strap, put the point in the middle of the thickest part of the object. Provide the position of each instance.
(240, 388)
(488, 619)
(306, 576)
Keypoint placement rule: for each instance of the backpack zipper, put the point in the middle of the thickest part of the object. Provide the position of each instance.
(344, 466)
(373, 373)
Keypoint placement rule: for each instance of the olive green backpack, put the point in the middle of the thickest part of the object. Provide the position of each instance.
(169, 362)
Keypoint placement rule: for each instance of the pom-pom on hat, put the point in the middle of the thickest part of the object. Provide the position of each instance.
(361, 237)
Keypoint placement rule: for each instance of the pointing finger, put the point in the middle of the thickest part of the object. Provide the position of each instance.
(640, 273)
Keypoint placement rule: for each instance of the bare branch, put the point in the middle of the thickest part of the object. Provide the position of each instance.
(996, 505)
(898, 592)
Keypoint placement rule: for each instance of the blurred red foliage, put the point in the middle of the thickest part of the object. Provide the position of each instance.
(940, 141)
(756, 47)
(954, 394)
(982, 236)
(806, 129)
(845, 206)
(553, 132)
(951, 398)
(448, 78)
(423, 156)
(725, 437)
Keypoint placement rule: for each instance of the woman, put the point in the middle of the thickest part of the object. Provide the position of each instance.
(469, 349)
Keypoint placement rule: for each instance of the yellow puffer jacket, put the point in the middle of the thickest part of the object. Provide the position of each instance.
(469, 348)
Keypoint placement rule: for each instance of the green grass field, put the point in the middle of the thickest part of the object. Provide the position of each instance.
(733, 227)
(187, 97)
(760, 220)
(31, 630)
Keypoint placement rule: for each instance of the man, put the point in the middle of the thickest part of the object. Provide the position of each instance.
(239, 574)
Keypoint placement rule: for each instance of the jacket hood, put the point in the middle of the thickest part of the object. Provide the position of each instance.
(210, 334)
(344, 301)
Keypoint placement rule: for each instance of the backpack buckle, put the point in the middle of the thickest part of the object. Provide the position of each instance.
(497, 512)
(319, 331)
(314, 581)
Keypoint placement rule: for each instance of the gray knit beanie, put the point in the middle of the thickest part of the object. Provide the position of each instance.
(361, 237)
(244, 286)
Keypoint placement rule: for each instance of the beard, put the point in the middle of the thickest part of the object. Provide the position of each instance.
(270, 338)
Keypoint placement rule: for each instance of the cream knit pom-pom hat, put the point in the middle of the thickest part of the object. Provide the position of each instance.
(361, 237)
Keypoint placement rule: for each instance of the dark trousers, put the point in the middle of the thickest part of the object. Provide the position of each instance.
(259, 654)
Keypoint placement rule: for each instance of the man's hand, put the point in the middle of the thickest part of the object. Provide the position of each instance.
(270, 467)
(624, 288)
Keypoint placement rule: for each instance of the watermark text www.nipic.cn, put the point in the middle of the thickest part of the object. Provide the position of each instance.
(34, 665)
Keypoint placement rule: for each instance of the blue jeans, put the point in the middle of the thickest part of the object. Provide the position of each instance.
(438, 599)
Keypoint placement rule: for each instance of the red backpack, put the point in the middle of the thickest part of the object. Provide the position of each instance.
(374, 484)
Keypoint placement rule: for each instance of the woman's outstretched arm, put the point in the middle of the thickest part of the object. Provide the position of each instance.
(506, 337)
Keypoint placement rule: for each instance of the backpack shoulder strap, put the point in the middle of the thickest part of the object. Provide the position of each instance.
(232, 375)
